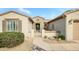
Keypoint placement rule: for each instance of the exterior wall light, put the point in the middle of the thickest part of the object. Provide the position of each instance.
(70, 21)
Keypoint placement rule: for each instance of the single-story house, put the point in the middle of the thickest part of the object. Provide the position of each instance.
(66, 24)
(15, 22)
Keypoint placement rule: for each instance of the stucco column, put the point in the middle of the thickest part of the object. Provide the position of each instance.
(43, 32)
(32, 33)
(69, 30)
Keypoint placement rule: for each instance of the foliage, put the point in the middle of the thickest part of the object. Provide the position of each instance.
(62, 37)
(11, 39)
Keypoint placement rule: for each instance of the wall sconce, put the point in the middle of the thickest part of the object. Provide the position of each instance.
(70, 21)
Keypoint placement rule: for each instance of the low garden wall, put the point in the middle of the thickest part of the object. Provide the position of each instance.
(44, 33)
(48, 33)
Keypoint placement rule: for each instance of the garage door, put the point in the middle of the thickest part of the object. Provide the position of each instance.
(76, 29)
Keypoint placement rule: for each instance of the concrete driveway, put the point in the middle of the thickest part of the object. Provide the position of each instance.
(62, 46)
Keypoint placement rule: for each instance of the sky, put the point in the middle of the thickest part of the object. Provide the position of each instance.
(47, 13)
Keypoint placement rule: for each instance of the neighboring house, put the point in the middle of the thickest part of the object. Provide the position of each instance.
(58, 24)
(66, 24)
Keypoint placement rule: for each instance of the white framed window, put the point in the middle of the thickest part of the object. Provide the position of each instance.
(11, 25)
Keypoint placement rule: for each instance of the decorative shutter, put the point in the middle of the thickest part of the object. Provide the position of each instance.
(19, 26)
(4, 25)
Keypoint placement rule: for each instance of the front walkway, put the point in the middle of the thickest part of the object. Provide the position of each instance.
(40, 43)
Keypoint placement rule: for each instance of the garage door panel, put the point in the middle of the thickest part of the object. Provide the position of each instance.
(76, 29)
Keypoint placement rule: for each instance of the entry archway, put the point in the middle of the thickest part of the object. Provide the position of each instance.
(37, 25)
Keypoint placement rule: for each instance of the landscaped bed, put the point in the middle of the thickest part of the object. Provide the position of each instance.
(11, 39)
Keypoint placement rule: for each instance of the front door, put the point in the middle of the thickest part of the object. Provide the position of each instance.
(37, 26)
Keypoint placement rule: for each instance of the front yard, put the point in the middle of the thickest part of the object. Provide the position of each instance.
(42, 44)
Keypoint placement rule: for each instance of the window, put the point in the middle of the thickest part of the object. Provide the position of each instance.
(11, 25)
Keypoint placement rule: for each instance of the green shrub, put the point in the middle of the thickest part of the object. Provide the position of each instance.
(11, 39)
(62, 37)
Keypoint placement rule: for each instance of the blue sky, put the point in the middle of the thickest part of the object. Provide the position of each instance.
(47, 13)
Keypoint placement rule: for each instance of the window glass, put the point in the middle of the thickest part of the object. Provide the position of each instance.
(52, 26)
(11, 25)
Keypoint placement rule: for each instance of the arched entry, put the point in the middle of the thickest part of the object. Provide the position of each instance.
(37, 26)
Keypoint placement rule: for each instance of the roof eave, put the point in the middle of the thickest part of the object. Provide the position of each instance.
(57, 18)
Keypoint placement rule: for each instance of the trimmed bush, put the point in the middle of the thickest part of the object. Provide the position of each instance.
(62, 37)
(11, 39)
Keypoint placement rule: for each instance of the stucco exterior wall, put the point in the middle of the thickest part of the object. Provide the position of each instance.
(69, 27)
(59, 25)
(26, 25)
(0, 24)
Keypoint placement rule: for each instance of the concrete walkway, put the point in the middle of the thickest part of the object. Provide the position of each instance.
(40, 43)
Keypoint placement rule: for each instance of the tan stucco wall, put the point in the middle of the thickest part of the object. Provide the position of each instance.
(59, 25)
(26, 25)
(69, 27)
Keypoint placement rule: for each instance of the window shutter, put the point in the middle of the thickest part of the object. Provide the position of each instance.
(4, 26)
(19, 27)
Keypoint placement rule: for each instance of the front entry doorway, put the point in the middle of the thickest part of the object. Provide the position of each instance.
(37, 26)
(38, 32)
